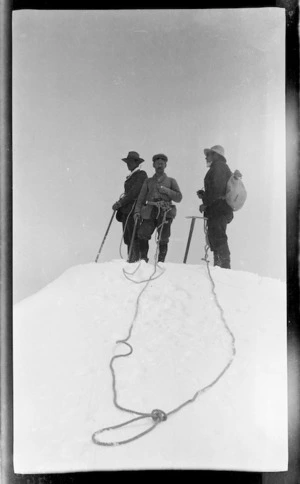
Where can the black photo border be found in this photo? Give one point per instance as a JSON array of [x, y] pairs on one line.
[[7, 475]]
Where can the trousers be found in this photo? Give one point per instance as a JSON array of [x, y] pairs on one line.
[[128, 227], [217, 222], [146, 230]]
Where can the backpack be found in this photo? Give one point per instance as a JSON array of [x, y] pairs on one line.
[[236, 193]]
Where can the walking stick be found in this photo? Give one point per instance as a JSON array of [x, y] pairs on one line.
[[132, 238], [190, 236], [104, 238]]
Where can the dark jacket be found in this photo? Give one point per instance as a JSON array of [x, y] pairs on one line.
[[215, 183], [132, 188]]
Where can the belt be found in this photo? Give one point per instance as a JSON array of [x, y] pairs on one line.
[[163, 204]]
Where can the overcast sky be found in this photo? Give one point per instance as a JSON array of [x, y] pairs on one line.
[[89, 86]]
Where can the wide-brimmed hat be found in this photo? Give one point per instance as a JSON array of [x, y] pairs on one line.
[[216, 149], [133, 155], [161, 156]]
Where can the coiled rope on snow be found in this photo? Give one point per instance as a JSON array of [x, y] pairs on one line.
[[157, 415]]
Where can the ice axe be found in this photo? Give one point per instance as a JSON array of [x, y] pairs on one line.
[[190, 236], [104, 238]]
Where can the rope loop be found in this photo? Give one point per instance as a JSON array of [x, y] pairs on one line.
[[158, 415]]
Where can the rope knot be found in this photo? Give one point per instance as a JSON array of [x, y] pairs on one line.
[[158, 415]]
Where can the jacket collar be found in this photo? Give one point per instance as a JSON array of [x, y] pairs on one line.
[[133, 171], [220, 161], [161, 177]]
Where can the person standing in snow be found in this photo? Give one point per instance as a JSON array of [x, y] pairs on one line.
[[155, 209], [214, 206], [125, 205]]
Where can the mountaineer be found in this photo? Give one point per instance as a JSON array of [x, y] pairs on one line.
[[154, 208], [125, 205], [214, 206]]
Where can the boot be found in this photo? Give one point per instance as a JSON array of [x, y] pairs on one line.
[[163, 249], [225, 264], [144, 247], [135, 252], [224, 256], [217, 261]]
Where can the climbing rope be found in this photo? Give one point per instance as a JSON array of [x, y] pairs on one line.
[[158, 416], [213, 286], [158, 233]]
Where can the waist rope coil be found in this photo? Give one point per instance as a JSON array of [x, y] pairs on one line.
[[162, 205], [158, 416], [157, 240]]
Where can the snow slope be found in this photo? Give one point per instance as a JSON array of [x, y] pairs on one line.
[[65, 336]]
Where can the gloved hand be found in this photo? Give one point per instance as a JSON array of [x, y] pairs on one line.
[[200, 193], [116, 206], [237, 174], [163, 189], [202, 208], [136, 217]]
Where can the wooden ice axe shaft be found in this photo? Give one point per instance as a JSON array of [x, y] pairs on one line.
[[193, 220]]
